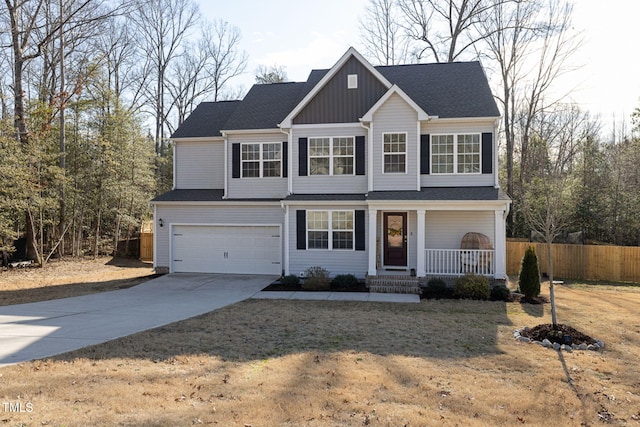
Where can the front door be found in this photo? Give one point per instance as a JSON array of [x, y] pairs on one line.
[[395, 239]]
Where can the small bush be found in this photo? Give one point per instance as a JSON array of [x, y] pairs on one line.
[[529, 278], [291, 280], [316, 279], [344, 281], [500, 293], [472, 287], [436, 288]]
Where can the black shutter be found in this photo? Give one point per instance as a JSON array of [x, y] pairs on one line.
[[359, 231], [302, 156], [301, 229], [285, 159], [235, 160], [360, 158], [424, 154], [487, 152]]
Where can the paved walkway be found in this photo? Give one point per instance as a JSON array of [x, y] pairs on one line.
[[44, 329]]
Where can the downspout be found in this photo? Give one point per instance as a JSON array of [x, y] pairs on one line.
[[496, 172], [289, 133], [285, 237], [369, 151], [226, 165], [175, 176]]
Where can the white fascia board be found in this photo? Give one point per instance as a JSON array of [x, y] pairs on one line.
[[422, 115], [326, 125], [199, 139], [287, 121], [324, 203], [489, 119], [249, 131], [217, 203], [441, 205]]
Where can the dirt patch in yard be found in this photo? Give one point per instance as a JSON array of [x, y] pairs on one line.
[[71, 277], [319, 363]]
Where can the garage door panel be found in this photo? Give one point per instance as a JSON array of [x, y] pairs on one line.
[[227, 249]]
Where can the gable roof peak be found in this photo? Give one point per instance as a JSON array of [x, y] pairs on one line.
[[350, 53]]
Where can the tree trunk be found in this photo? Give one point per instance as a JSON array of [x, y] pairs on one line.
[[552, 294]]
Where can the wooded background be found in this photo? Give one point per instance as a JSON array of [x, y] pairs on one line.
[[90, 91]]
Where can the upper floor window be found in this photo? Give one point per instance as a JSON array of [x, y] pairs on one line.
[[330, 229], [395, 152], [455, 153], [260, 160], [331, 156]]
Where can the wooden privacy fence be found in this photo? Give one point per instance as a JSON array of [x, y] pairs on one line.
[[146, 246], [587, 262]]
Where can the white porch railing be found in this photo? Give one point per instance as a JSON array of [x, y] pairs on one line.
[[458, 262]]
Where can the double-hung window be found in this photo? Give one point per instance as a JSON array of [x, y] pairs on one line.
[[331, 156], [261, 160], [330, 230], [395, 152], [457, 153]]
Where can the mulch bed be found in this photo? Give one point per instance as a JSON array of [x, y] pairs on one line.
[[540, 332]]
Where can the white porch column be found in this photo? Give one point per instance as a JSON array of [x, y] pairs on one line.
[[373, 246], [420, 266], [500, 244]]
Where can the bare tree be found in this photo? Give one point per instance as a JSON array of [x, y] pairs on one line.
[[226, 58], [162, 26], [382, 33], [272, 74], [444, 29]]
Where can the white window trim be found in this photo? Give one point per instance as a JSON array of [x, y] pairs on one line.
[[455, 154], [331, 156], [406, 146], [330, 230], [260, 160]]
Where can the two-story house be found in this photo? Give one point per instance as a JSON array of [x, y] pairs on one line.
[[360, 169]]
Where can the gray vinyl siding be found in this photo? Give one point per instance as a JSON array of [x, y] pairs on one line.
[[335, 103], [335, 184], [264, 188], [199, 165], [210, 214], [395, 116], [458, 180], [445, 229], [335, 261]]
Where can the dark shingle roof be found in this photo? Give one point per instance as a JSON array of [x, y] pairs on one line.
[[446, 90], [206, 120], [326, 197], [188, 195], [442, 193]]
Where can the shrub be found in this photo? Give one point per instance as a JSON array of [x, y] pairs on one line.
[[291, 280], [316, 279], [529, 278], [436, 288], [344, 281], [500, 293], [472, 287]]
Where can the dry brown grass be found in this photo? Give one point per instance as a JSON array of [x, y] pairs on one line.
[[292, 363], [69, 278]]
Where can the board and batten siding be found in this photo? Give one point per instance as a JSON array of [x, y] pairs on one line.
[[458, 180], [445, 229], [209, 214], [199, 165], [264, 188], [395, 116], [339, 261], [323, 184]]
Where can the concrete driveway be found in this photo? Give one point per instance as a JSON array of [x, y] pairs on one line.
[[43, 329]]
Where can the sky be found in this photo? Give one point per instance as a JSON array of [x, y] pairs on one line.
[[301, 35]]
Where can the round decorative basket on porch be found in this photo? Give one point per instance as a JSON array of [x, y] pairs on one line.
[[477, 258]]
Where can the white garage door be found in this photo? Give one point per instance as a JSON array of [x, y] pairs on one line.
[[226, 249]]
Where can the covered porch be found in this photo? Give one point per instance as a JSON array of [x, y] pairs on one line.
[[422, 238]]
